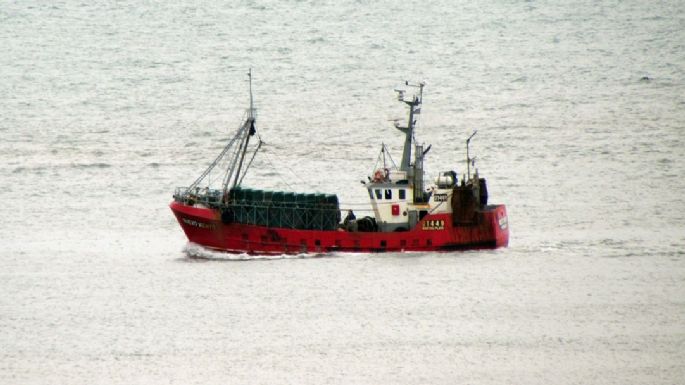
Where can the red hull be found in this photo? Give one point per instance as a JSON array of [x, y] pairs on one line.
[[433, 233]]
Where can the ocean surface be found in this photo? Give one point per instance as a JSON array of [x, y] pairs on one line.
[[106, 107]]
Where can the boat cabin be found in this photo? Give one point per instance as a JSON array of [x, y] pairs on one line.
[[392, 199]]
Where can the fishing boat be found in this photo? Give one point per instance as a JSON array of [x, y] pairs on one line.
[[407, 214]]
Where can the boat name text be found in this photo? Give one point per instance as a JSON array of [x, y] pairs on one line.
[[202, 225]]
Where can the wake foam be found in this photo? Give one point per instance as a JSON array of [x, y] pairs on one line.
[[195, 251]]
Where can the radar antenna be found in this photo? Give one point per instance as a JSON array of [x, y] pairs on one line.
[[414, 109]]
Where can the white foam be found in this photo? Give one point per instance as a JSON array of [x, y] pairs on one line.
[[193, 250]]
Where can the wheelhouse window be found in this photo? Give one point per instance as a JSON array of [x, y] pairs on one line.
[[403, 194], [378, 193], [388, 194], [370, 195]]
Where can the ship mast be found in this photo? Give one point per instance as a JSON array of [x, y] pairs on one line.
[[414, 109], [250, 121], [251, 112], [468, 157]]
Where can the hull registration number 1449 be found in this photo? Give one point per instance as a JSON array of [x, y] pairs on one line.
[[438, 224]]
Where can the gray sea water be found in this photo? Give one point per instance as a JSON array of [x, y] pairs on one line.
[[106, 107]]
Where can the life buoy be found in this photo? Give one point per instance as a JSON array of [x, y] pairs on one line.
[[378, 175]]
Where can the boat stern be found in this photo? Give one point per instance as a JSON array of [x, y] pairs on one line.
[[501, 226]]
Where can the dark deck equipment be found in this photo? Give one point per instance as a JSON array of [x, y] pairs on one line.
[[284, 210]]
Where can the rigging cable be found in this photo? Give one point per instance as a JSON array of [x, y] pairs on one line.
[[291, 172], [254, 154], [214, 163], [268, 159]]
